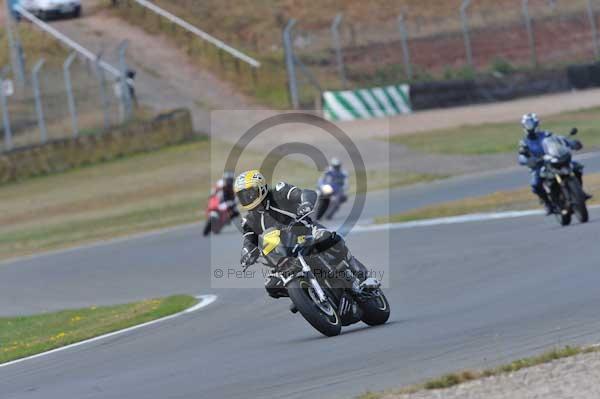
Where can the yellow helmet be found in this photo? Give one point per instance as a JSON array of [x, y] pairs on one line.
[[251, 189]]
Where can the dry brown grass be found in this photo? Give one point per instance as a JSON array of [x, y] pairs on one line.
[[257, 23], [134, 194]]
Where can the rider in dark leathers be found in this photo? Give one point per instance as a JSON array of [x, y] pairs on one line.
[[531, 154], [278, 207]]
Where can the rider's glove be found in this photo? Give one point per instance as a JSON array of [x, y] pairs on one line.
[[533, 162], [577, 145], [524, 151], [304, 209], [223, 206], [249, 256]]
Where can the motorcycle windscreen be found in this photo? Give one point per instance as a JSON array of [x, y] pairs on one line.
[[556, 147]]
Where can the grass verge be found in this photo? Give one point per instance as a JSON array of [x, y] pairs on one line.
[[29, 335], [36, 44], [453, 379], [497, 138], [130, 195], [514, 200]]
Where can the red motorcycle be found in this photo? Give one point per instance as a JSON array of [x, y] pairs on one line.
[[217, 215]]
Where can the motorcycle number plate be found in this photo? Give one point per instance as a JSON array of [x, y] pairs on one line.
[[270, 241]]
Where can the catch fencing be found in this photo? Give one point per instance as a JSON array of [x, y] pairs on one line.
[[476, 37], [75, 94], [58, 101]]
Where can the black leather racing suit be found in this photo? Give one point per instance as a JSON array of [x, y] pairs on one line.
[[279, 209]]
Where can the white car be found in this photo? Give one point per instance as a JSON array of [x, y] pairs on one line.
[[45, 9]]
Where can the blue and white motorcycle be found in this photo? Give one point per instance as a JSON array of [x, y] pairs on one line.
[[330, 197]]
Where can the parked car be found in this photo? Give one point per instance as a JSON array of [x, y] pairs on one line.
[[46, 9]]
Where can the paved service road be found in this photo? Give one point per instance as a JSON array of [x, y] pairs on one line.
[[466, 295]]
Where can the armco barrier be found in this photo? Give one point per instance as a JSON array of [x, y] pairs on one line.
[[452, 93], [60, 155], [394, 100]]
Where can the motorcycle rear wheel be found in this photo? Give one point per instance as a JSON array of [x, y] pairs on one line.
[[376, 311], [579, 206], [323, 317]]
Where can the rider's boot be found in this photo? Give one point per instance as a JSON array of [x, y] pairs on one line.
[[337, 249], [275, 288], [545, 200], [366, 283], [548, 208]]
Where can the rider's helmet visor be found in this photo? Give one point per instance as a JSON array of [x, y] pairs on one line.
[[530, 123], [248, 196]]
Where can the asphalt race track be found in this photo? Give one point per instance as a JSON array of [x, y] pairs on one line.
[[465, 295]]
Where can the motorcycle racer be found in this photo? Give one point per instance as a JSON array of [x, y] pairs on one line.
[[278, 207], [336, 177], [531, 154], [223, 190]]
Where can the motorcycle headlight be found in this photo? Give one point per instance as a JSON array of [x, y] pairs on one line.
[[326, 189]]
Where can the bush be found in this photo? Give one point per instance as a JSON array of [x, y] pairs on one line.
[[502, 66]]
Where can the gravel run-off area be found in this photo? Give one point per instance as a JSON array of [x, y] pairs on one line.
[[576, 377]]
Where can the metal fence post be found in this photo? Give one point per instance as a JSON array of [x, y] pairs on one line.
[[465, 26], [16, 52], [5, 115], [405, 50], [70, 97], [290, 65], [125, 94], [592, 16], [103, 95], [335, 33], [35, 79], [530, 34]]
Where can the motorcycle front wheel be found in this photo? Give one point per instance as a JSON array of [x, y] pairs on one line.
[[322, 206], [207, 229], [561, 204], [322, 316], [215, 225], [564, 219]]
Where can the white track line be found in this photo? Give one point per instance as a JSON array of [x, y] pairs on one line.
[[474, 217], [205, 300]]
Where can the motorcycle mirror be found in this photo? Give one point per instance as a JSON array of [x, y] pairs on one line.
[[573, 131]]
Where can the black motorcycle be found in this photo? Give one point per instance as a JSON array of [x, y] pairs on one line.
[[327, 296], [561, 183]]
